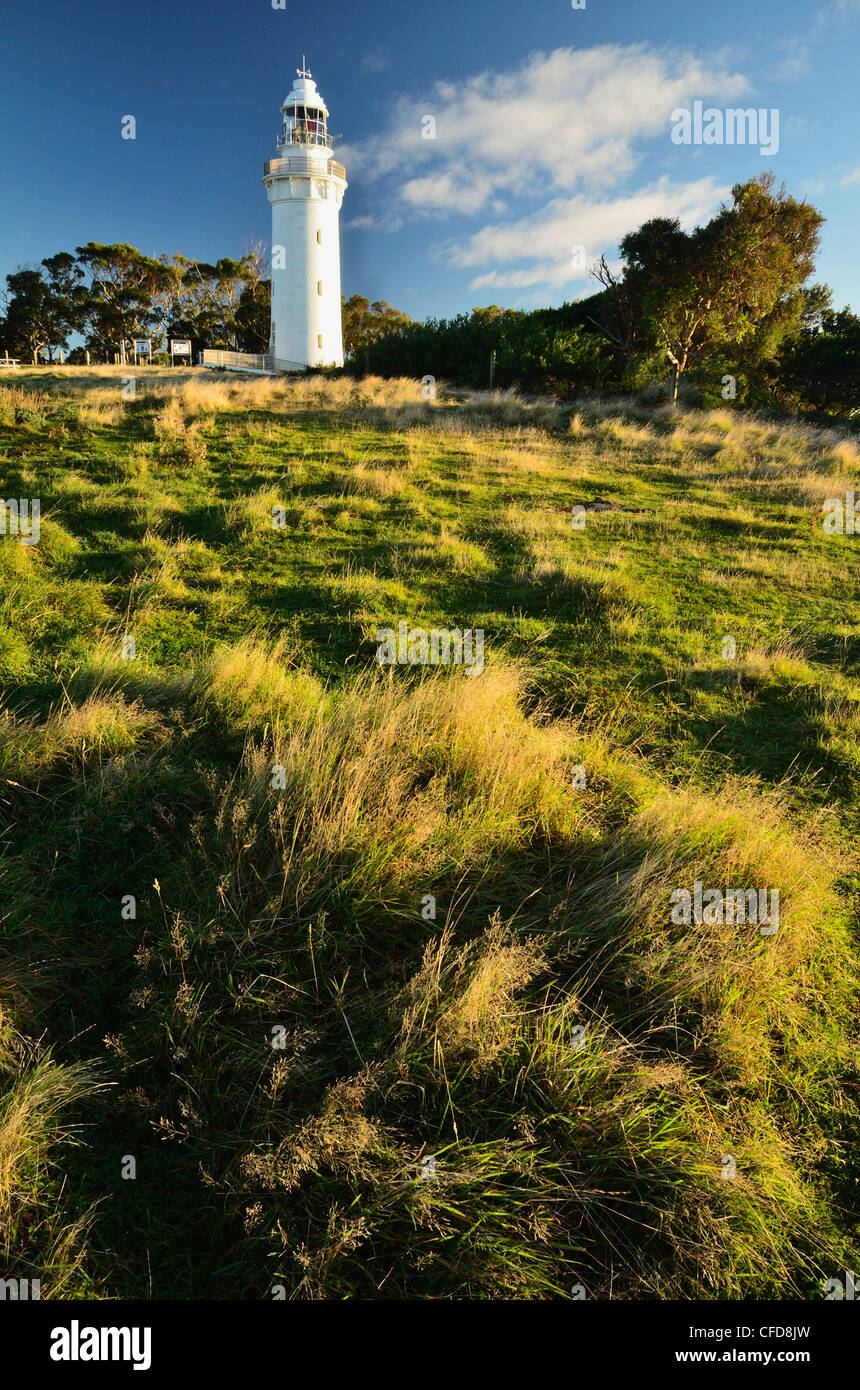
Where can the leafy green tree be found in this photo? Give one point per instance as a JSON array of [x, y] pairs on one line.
[[693, 295], [817, 302], [820, 368], [253, 316], [64, 278], [129, 295], [43, 307], [225, 304], [546, 350], [29, 325], [364, 323]]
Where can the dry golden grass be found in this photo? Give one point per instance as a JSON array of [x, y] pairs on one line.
[[100, 727], [447, 552], [372, 482], [472, 991], [256, 683], [749, 990], [761, 661], [332, 759], [32, 1123]]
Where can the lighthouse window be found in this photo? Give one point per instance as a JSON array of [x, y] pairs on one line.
[[319, 237], [319, 340], [319, 286], [306, 123]]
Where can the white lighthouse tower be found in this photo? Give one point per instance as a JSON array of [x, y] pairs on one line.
[[305, 187]]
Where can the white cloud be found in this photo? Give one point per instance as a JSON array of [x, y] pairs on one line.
[[537, 249], [795, 61], [376, 62], [445, 192], [563, 120], [839, 12], [377, 224], [551, 145], [851, 178]]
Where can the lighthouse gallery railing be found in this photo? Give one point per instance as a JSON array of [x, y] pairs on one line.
[[298, 164]]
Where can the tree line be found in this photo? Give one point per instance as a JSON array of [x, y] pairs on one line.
[[111, 295], [725, 311]]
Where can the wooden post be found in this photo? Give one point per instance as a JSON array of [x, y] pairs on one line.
[[88, 356], [492, 366]]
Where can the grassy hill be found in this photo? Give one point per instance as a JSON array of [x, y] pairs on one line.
[[276, 1029]]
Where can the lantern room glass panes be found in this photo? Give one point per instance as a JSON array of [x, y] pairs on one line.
[[305, 125]]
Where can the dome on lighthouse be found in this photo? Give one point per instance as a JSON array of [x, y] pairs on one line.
[[304, 94]]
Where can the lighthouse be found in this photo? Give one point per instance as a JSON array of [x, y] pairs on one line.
[[305, 186]]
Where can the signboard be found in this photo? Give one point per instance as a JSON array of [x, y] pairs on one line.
[[143, 347], [180, 347]]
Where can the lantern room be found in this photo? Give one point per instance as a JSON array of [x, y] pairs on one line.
[[305, 115]]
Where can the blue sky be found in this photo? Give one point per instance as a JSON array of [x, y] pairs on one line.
[[552, 130]]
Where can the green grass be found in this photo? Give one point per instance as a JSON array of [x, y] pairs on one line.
[[578, 1065]]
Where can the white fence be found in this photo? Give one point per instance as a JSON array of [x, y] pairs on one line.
[[261, 362]]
